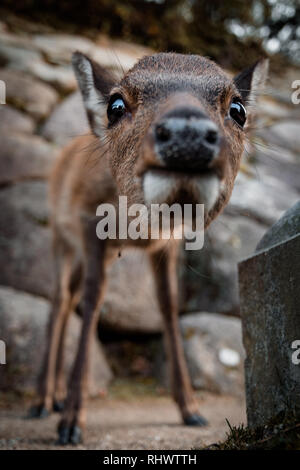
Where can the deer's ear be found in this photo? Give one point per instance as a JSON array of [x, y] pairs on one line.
[[95, 84], [252, 80]]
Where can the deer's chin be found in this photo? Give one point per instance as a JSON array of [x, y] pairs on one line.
[[162, 186]]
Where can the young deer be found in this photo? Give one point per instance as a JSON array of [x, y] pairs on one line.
[[171, 130]]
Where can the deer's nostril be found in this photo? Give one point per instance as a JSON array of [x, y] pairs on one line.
[[211, 136], [163, 134], [186, 144]]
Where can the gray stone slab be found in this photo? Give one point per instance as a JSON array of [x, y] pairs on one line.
[[287, 226], [270, 310]]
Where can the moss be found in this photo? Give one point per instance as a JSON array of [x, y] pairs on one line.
[[132, 389], [13, 399], [281, 433]]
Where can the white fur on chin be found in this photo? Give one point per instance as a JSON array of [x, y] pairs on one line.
[[159, 187]]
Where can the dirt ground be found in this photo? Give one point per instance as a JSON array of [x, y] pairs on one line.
[[146, 423]]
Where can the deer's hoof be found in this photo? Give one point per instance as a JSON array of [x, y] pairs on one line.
[[75, 436], [58, 406], [63, 436], [195, 420], [69, 435], [38, 412]]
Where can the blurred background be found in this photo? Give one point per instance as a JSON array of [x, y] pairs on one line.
[[43, 111], [220, 30]]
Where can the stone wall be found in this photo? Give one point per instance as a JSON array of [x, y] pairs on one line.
[[44, 111]]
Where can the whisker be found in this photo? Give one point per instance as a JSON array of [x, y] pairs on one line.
[[112, 50]]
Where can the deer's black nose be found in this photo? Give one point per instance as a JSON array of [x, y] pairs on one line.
[[187, 140]]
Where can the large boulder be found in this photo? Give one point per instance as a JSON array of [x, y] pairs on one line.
[[214, 352], [280, 165], [17, 55], [28, 94], [58, 49], [130, 304], [262, 197], [24, 156], [209, 276], [12, 120], [26, 52], [68, 120], [285, 134], [61, 77], [25, 242], [23, 54], [23, 322], [271, 110]]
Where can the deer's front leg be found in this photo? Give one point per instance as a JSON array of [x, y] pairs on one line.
[[74, 414], [164, 264]]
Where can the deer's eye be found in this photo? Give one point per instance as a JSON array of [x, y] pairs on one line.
[[238, 112], [116, 108]]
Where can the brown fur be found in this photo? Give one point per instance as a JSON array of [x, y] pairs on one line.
[[91, 171]]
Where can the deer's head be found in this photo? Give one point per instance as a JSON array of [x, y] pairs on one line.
[[174, 125]]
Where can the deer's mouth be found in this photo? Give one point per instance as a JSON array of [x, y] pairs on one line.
[[161, 185], [164, 170]]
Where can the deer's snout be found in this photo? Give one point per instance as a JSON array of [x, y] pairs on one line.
[[186, 139]]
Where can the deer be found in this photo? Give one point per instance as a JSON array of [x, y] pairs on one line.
[[171, 130]]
